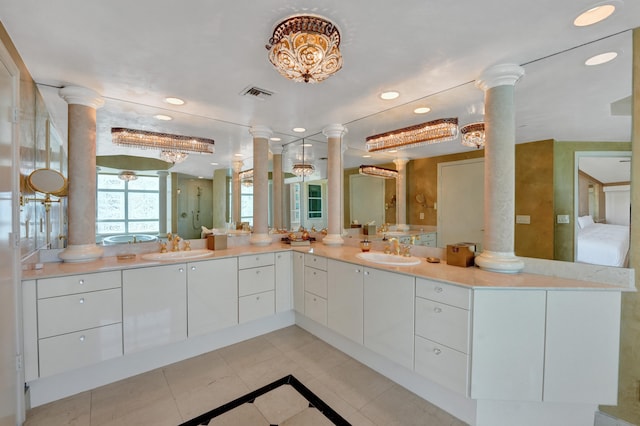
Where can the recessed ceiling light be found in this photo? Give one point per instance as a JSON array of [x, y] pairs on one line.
[[214, 164], [299, 129], [389, 95], [421, 110], [174, 101], [366, 156], [600, 59], [306, 144], [163, 117], [275, 139], [393, 150], [200, 177], [594, 15], [238, 155]]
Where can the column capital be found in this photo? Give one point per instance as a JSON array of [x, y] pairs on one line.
[[334, 131], [276, 149], [500, 75], [76, 95], [260, 132], [400, 162], [162, 173], [237, 166]]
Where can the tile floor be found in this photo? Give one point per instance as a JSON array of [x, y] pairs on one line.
[[184, 390]]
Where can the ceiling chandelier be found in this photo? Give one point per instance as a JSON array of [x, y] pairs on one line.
[[173, 148], [472, 135], [305, 48], [378, 172], [127, 176], [246, 177], [442, 130], [302, 169]]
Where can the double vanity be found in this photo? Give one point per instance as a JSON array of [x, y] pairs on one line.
[[489, 348]]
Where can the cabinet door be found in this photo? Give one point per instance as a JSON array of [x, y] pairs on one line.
[[154, 306], [212, 295], [345, 302], [256, 306], [388, 315], [283, 281], [315, 308], [298, 282]]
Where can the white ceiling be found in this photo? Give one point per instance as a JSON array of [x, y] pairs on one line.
[[135, 53]]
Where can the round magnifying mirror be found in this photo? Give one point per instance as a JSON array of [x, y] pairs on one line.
[[48, 181]]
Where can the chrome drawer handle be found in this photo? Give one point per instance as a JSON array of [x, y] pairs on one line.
[[257, 297], [358, 271], [438, 289], [193, 268], [82, 338], [81, 282], [81, 300], [437, 310], [437, 351], [257, 272], [180, 269]]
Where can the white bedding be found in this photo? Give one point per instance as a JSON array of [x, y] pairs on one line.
[[602, 244]]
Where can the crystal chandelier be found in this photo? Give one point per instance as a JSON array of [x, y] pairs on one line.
[[127, 176], [305, 48], [246, 177], [472, 135], [174, 148], [442, 130], [302, 169], [378, 172]]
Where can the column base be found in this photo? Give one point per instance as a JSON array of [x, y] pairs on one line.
[[260, 239], [332, 240], [503, 262], [81, 253]]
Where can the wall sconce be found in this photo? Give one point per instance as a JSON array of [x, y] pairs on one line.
[[391, 204], [422, 201]]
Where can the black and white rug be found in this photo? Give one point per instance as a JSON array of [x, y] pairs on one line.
[[313, 400]]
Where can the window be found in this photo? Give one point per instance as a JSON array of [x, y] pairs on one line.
[[127, 207], [246, 204], [315, 201]]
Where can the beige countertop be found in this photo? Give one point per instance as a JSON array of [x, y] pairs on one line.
[[472, 277]]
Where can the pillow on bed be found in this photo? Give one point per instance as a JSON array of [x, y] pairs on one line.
[[584, 221]]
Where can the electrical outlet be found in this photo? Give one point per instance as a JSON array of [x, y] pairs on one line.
[[421, 215], [563, 218]]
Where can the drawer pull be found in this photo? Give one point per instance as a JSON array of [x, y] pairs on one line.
[[366, 272], [257, 297], [314, 299], [82, 338], [81, 282], [193, 268], [358, 271], [258, 271], [437, 310], [257, 257], [438, 289], [81, 300], [180, 269], [314, 272], [437, 351]]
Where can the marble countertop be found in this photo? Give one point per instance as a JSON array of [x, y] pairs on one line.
[[471, 277]]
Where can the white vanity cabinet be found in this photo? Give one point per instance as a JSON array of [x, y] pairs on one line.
[[345, 299], [256, 286], [79, 321], [442, 341], [212, 295], [284, 294], [298, 281], [315, 288], [154, 303], [389, 315]]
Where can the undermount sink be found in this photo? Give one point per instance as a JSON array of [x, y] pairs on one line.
[[178, 255], [388, 259]]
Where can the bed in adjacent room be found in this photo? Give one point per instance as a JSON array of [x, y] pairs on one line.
[[602, 244]]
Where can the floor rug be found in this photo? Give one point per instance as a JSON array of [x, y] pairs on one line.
[[314, 401]]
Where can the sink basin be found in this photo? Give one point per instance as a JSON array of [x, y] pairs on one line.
[[178, 255], [388, 259]]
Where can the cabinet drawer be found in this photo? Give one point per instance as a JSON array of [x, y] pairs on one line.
[[315, 308], [61, 286], [66, 314], [428, 239], [315, 261], [446, 293], [315, 281], [443, 365], [75, 350], [443, 323], [256, 306], [256, 280], [255, 260]]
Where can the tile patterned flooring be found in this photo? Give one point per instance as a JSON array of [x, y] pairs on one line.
[[181, 391]]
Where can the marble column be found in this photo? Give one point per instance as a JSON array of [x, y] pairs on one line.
[[498, 83], [334, 133], [162, 202], [401, 194], [219, 199], [235, 192], [81, 210], [278, 186], [260, 235]]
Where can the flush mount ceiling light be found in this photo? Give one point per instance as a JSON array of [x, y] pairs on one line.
[[305, 48], [600, 59], [174, 148], [436, 131], [387, 96], [472, 135], [127, 176], [378, 172], [174, 101], [163, 117], [421, 110], [594, 15]]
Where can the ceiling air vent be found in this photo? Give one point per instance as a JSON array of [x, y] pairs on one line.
[[256, 92]]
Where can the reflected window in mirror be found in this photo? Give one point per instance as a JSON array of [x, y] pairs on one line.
[[246, 204], [127, 207], [315, 201]]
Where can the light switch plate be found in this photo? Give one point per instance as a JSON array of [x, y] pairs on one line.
[[563, 218], [523, 219], [421, 215]]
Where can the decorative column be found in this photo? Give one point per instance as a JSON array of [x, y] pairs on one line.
[[83, 104], [401, 194], [162, 202], [278, 185], [261, 135], [334, 133], [235, 192], [499, 169]]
